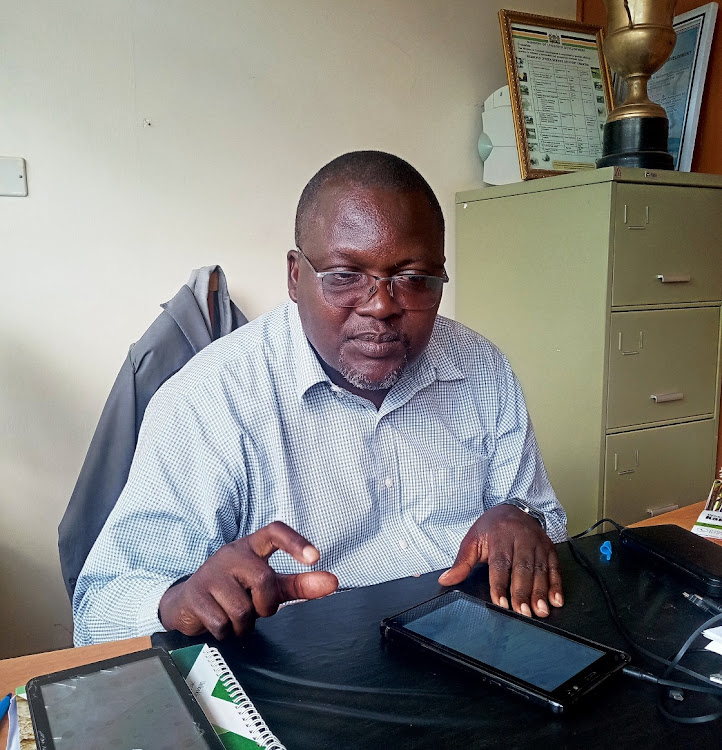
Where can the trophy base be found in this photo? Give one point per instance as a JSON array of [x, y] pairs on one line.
[[636, 142]]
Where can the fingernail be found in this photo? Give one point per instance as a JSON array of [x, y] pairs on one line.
[[503, 602], [445, 574], [525, 609], [310, 554], [558, 599], [541, 605]]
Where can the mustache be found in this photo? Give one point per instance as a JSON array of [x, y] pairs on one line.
[[380, 336]]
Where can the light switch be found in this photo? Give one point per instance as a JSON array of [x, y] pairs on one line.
[[13, 180]]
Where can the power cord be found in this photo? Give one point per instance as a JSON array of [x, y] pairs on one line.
[[619, 527], [666, 685], [639, 674]]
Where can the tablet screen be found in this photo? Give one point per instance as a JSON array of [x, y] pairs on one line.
[[516, 647], [124, 707]]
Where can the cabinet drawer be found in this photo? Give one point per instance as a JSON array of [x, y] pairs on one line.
[[657, 467], [662, 365], [667, 231]]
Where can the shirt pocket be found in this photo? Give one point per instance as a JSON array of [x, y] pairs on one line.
[[446, 496]]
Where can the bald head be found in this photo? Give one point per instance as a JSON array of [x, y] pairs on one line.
[[368, 169]]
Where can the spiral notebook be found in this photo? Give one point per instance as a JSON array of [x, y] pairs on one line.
[[223, 700]]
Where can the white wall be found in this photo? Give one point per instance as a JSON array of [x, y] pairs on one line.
[[163, 136]]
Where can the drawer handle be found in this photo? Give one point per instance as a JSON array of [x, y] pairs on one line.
[[652, 512], [660, 398], [674, 278]]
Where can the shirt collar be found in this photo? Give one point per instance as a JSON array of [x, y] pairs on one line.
[[437, 360], [435, 363], [307, 367]]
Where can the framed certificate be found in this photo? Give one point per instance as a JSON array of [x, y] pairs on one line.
[[560, 92], [679, 83]]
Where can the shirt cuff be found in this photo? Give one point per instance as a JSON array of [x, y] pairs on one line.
[[146, 617]]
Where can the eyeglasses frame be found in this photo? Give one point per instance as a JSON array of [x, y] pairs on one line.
[[320, 275]]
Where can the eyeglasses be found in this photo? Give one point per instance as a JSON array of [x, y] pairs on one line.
[[352, 288]]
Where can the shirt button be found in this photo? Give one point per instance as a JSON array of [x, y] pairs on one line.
[[389, 482], [403, 544]]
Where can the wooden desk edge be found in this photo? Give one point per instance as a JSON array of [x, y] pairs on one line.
[[684, 517], [17, 671]]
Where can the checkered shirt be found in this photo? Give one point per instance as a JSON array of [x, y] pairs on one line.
[[252, 430]]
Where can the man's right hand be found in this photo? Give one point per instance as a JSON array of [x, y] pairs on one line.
[[236, 585]]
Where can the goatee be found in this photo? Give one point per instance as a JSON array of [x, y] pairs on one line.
[[359, 380]]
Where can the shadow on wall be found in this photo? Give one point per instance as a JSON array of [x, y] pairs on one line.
[[46, 429]]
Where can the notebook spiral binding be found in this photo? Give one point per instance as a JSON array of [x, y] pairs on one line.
[[263, 735]]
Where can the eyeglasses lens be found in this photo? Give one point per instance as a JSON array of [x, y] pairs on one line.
[[354, 289]]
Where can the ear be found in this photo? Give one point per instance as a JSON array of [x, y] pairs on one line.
[[292, 274]]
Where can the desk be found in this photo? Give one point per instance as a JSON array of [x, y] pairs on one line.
[[684, 517], [286, 695]]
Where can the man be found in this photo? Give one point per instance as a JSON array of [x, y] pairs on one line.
[[351, 431]]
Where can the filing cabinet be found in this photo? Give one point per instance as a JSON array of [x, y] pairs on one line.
[[604, 289]]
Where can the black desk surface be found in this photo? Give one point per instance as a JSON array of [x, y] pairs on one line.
[[322, 677]]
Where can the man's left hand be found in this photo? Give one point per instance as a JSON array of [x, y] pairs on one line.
[[522, 561]]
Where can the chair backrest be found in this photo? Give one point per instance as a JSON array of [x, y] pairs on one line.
[[176, 335]]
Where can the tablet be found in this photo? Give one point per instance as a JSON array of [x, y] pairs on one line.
[[133, 701], [697, 559], [525, 656]]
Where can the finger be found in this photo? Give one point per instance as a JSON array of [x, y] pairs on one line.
[[500, 574], [210, 614], [265, 590], [257, 580], [311, 585], [179, 610], [540, 586], [238, 610], [547, 582], [471, 551], [278, 535], [522, 580], [556, 594]]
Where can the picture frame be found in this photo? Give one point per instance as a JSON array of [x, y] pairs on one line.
[[560, 92], [679, 84]]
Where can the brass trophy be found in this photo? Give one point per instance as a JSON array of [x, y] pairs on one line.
[[639, 39]]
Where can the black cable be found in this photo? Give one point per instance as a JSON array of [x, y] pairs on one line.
[[584, 563], [674, 664], [640, 674], [671, 666], [682, 651], [594, 526]]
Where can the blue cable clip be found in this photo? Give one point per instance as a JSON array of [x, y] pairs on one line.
[[606, 550]]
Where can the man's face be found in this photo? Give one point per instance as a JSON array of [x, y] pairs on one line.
[[380, 232]]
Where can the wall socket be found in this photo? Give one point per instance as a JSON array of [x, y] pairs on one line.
[[13, 179]]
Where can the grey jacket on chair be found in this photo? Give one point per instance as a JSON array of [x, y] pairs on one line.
[[183, 328]]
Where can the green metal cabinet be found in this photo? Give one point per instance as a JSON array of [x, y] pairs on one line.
[[604, 290], [636, 474], [662, 366]]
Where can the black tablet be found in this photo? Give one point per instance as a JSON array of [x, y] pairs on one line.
[[525, 656], [697, 559], [133, 701]]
